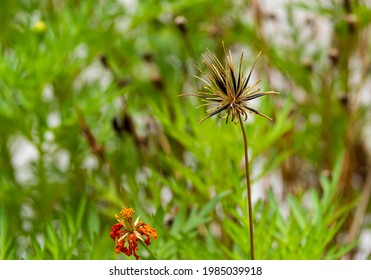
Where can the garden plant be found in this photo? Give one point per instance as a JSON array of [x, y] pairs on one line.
[[114, 142]]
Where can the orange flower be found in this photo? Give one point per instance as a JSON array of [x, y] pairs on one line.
[[128, 230]]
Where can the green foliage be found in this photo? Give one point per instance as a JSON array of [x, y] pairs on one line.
[[91, 121]]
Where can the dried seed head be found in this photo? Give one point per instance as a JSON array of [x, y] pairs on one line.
[[333, 55], [227, 89], [181, 23]]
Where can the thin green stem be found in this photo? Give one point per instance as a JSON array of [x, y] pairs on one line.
[[248, 187], [146, 247]]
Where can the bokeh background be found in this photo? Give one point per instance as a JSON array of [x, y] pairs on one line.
[[91, 121]]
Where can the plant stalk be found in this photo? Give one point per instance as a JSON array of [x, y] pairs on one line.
[[248, 187], [146, 247]]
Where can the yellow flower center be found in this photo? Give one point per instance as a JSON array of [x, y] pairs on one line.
[[127, 215]]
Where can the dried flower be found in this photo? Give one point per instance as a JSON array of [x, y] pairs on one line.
[[230, 91], [131, 232], [227, 89]]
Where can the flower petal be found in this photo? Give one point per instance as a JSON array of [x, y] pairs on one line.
[[115, 231]]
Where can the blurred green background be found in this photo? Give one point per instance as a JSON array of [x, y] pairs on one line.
[[91, 121]]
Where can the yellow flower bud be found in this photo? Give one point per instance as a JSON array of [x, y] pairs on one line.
[[39, 27]]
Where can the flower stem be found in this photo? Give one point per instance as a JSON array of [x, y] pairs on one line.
[[248, 187], [146, 247]]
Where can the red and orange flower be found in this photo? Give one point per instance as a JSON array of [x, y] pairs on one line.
[[126, 230]]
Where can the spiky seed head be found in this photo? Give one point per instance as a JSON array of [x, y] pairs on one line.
[[228, 90]]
